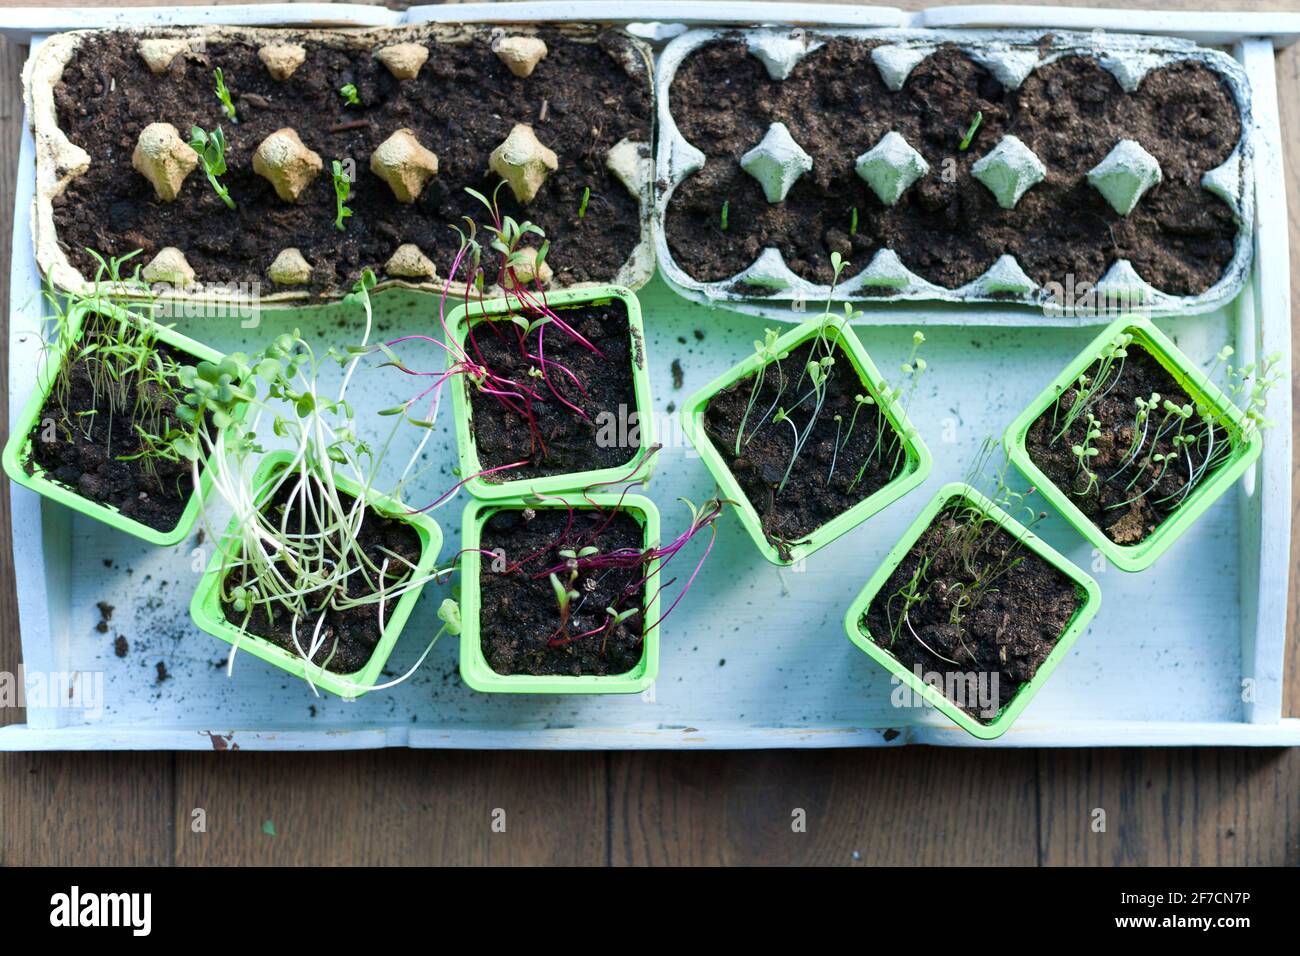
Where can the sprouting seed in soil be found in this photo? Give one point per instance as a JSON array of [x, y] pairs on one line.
[[211, 148], [971, 130], [1084, 452], [349, 93], [582, 207], [853, 221], [726, 208], [223, 94], [342, 190]]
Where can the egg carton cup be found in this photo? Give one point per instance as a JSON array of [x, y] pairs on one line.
[[1010, 55], [59, 161]]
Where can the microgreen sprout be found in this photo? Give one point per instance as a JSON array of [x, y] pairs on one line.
[[1084, 452], [767, 353], [223, 94], [963, 540], [342, 190], [211, 148], [349, 93], [582, 207], [1169, 447], [527, 325], [588, 563], [297, 551], [853, 221], [971, 130], [130, 376], [726, 210]]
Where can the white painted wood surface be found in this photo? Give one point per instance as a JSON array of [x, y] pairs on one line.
[[754, 657]]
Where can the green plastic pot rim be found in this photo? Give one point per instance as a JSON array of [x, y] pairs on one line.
[[1086, 587], [641, 462], [474, 668], [918, 458], [1136, 557], [205, 606], [17, 449]]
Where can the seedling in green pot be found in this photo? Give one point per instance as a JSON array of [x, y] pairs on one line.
[[109, 403], [317, 571], [971, 611], [807, 436], [1133, 441]]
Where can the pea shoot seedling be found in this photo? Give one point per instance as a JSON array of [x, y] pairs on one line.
[[223, 94], [342, 189], [211, 148]]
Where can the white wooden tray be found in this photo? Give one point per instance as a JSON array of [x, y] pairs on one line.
[[1191, 652]]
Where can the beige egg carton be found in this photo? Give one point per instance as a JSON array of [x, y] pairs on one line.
[[59, 161], [1010, 55]]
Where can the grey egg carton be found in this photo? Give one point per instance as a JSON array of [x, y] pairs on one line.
[[1010, 55], [59, 160]]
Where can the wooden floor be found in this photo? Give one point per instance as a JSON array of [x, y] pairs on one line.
[[897, 807]]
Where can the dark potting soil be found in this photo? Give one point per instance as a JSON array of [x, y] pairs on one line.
[[1008, 631], [352, 634], [1104, 503], [519, 621], [948, 228], [85, 448], [813, 495], [462, 105], [564, 441]]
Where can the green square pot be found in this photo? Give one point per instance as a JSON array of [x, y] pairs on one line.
[[915, 469], [474, 668], [1088, 591], [1137, 557], [18, 448], [205, 607], [479, 487]]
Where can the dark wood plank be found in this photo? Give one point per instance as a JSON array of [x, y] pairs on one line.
[[919, 806], [11, 124], [392, 808], [101, 809], [1171, 807], [1288, 82]]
